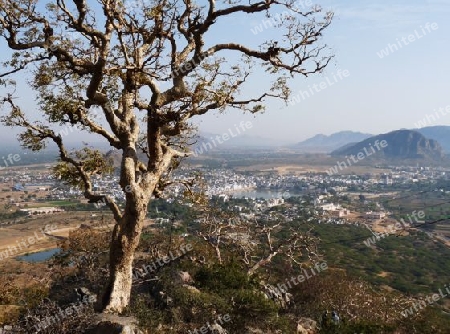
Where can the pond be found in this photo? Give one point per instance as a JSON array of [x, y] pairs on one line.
[[39, 256]]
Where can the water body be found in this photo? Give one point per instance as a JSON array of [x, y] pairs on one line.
[[264, 193], [39, 256]]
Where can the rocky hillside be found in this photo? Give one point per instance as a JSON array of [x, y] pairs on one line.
[[400, 144], [439, 133]]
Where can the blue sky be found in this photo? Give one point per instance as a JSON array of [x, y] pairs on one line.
[[378, 95]]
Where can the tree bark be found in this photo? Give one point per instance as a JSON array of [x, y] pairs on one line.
[[125, 239]]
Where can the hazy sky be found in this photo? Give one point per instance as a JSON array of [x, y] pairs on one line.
[[378, 94]]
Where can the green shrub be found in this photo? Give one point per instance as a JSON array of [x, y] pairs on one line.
[[218, 278]]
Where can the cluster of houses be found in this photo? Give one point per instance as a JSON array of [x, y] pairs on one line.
[[41, 210]]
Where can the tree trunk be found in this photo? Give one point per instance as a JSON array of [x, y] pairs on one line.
[[125, 239]]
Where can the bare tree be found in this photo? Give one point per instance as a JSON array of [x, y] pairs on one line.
[[136, 77], [255, 241]]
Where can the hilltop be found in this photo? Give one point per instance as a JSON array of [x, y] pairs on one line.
[[400, 144]]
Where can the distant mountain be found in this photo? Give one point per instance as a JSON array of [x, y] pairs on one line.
[[232, 139], [400, 144], [325, 144], [439, 133]]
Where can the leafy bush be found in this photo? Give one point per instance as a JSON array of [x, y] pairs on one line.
[[218, 278]]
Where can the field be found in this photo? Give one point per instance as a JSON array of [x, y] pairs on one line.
[[284, 162], [11, 235]]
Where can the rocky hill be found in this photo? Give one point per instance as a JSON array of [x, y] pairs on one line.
[[439, 133], [400, 144]]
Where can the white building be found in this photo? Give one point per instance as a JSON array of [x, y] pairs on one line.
[[374, 215], [41, 211]]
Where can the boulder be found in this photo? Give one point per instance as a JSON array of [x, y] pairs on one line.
[[283, 298], [307, 326], [113, 324], [217, 329], [83, 294], [182, 277], [7, 329]]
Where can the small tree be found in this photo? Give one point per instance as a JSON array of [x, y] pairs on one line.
[[136, 77]]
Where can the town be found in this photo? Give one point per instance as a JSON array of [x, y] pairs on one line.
[[338, 199]]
